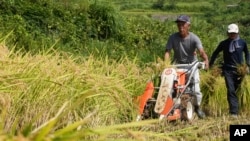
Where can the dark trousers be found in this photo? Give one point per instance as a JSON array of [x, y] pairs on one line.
[[233, 81]]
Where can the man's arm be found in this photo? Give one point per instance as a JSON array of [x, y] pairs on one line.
[[247, 57], [215, 54], [167, 55], [203, 55], [167, 58]]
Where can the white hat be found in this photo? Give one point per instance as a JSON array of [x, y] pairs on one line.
[[232, 28]]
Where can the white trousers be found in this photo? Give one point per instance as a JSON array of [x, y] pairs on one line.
[[197, 89]]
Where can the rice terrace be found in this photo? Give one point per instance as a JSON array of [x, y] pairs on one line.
[[72, 70]]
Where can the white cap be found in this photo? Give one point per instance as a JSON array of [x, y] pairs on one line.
[[233, 28]]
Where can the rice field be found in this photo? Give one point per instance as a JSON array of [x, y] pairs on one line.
[[55, 96]]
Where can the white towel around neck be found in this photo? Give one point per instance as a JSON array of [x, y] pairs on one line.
[[234, 44]]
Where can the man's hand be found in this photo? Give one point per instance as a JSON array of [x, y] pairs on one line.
[[206, 65], [204, 57]]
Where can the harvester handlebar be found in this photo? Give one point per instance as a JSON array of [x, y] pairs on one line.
[[199, 65]]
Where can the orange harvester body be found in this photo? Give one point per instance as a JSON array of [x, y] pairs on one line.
[[148, 93], [169, 103], [174, 97]]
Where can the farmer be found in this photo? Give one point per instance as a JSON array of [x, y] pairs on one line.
[[185, 44], [233, 48]]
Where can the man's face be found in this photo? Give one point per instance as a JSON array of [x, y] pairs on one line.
[[183, 28], [232, 35]]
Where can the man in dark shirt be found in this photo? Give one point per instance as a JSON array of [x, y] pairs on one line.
[[233, 48]]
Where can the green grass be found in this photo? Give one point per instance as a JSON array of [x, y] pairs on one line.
[[195, 3]]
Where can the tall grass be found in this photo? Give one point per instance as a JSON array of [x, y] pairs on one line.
[[55, 96], [215, 94], [34, 88]]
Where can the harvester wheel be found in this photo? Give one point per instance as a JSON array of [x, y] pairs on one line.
[[187, 112], [148, 112]]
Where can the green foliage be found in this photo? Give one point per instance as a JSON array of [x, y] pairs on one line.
[[43, 22], [225, 13], [159, 4], [79, 26], [106, 22]]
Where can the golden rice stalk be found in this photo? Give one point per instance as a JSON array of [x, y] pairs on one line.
[[242, 69]]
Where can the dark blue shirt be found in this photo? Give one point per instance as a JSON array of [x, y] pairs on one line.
[[231, 59]]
